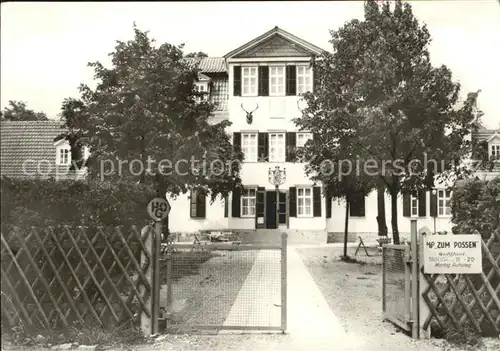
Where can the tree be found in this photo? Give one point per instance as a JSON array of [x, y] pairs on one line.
[[143, 112], [402, 111], [18, 111], [198, 54]]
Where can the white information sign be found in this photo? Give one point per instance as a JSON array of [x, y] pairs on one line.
[[452, 254], [158, 208]]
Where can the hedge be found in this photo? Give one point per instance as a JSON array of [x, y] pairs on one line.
[[42, 203]]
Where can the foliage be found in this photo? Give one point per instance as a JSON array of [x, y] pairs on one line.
[[144, 112], [380, 97], [198, 54], [18, 111], [475, 206], [41, 203]]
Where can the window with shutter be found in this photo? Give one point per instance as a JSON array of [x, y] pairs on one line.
[[276, 147], [304, 202], [263, 147], [303, 79], [249, 81], [357, 205], [248, 202], [291, 142], [444, 203], [317, 201], [197, 204]]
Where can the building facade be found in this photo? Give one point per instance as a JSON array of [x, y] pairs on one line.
[[257, 87]]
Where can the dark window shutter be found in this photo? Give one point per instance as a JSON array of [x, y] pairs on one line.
[[282, 208], [226, 206], [260, 206], [237, 142], [235, 205], [263, 147], [201, 206], [291, 80], [317, 201], [406, 205], [263, 81], [422, 202], [328, 206], [192, 204], [315, 81], [290, 146], [433, 209], [293, 202], [357, 205], [237, 80]]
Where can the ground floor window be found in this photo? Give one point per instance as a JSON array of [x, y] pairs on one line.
[[304, 202], [444, 203], [248, 199]]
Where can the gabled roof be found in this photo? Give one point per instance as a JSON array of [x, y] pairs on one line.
[[276, 31], [208, 64], [494, 135], [484, 134], [21, 141]]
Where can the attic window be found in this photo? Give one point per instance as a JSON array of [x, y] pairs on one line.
[[63, 156]]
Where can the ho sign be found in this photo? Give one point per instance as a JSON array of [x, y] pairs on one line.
[[158, 208]]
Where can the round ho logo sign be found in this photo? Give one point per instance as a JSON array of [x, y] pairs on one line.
[[158, 208]]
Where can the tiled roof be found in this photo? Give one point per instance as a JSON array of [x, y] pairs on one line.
[[219, 92], [208, 64], [483, 134], [30, 143]]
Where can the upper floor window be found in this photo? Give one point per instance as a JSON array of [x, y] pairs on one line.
[[302, 139], [249, 81], [413, 206], [303, 79], [63, 156], [444, 203], [495, 151], [277, 147], [201, 88], [277, 80], [249, 146]]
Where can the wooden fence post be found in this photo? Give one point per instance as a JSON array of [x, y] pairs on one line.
[[146, 322], [156, 276], [424, 311]]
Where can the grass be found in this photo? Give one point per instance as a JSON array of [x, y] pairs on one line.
[[205, 285]]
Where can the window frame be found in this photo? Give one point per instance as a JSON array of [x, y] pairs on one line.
[[256, 146], [196, 197], [307, 134], [245, 195], [494, 150], [248, 78], [283, 155], [414, 200], [304, 206], [277, 77], [307, 74], [443, 199], [60, 158]]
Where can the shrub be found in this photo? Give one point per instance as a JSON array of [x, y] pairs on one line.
[[42, 203]]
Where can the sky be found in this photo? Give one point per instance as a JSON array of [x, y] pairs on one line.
[[45, 46]]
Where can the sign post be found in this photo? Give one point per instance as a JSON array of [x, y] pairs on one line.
[[453, 254], [158, 209]]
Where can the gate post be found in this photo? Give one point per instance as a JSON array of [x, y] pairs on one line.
[[424, 311], [147, 322], [156, 276], [414, 279], [283, 280]]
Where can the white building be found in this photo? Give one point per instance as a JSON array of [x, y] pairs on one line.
[[257, 87]]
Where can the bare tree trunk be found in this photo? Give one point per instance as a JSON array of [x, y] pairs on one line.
[[382, 224], [346, 227], [394, 214]]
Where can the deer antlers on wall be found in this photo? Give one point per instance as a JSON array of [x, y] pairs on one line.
[[249, 114]]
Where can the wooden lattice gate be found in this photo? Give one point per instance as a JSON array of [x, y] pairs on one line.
[[465, 300], [449, 301], [55, 277]]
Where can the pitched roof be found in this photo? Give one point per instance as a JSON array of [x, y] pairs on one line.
[[208, 64], [484, 134], [28, 143], [276, 31]]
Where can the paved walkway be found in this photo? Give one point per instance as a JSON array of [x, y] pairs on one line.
[[311, 323]]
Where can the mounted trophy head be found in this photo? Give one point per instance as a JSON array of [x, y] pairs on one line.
[[249, 114]]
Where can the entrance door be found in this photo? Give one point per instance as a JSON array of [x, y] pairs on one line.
[[271, 209]]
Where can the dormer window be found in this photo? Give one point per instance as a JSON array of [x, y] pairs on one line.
[[201, 87], [63, 156]]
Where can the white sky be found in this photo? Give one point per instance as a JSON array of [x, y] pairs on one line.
[[45, 46]]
